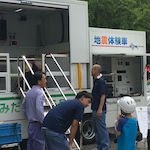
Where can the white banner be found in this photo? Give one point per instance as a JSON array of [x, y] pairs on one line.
[[112, 41], [142, 120]]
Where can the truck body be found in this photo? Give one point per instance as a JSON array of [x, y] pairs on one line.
[[61, 26]]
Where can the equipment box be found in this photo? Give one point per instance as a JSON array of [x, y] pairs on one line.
[[10, 133]]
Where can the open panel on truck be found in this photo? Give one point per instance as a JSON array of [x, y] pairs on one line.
[[123, 74], [32, 30]]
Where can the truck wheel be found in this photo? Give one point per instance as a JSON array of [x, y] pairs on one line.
[[87, 130]]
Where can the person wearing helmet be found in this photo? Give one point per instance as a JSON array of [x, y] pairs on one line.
[[126, 125]]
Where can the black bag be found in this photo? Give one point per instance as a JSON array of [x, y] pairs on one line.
[[139, 136]]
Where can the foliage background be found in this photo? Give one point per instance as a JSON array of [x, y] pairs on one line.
[[121, 14]]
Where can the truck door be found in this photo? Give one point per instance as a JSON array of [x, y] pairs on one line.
[[4, 72]]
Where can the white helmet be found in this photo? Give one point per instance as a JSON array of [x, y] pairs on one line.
[[127, 104]]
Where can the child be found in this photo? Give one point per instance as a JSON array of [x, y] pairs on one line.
[[126, 125]]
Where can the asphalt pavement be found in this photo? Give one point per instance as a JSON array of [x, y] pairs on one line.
[[142, 145]]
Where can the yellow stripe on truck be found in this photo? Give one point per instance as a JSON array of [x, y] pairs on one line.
[[79, 77]]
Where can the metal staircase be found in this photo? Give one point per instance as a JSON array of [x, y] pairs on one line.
[[45, 91]]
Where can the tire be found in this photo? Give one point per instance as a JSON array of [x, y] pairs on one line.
[[87, 130]]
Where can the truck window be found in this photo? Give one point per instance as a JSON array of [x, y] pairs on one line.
[[4, 72]]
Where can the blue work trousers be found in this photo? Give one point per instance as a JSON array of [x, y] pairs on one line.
[[55, 140], [35, 137], [102, 137]]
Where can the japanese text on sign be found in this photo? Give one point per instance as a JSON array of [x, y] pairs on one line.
[[12, 107], [110, 40]]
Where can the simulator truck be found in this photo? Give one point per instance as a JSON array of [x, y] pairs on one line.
[[39, 28]]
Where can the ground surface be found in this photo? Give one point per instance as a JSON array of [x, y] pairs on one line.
[[142, 145]]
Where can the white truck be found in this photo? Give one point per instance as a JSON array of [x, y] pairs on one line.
[[39, 27]]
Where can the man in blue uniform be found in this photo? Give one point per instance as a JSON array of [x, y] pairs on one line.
[[99, 108], [60, 118], [33, 108]]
